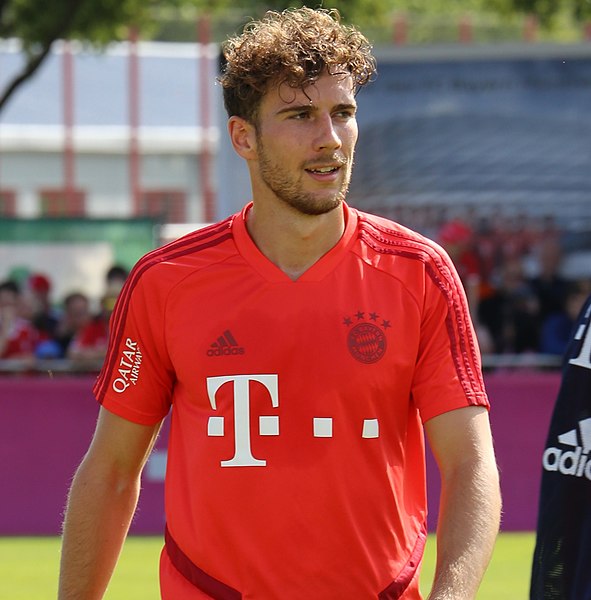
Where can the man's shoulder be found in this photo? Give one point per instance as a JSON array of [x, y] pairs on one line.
[[195, 250], [387, 236]]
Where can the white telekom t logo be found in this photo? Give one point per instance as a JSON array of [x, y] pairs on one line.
[[242, 450]]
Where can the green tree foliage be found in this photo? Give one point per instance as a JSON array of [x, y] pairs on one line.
[[39, 23], [546, 10]]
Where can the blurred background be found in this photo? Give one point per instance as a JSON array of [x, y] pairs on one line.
[[113, 141]]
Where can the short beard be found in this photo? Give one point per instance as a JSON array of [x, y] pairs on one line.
[[290, 191]]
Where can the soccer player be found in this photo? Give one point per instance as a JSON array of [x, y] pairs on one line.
[[562, 555], [303, 348]]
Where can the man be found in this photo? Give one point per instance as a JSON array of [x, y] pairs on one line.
[[560, 567], [301, 344], [75, 316], [18, 337]]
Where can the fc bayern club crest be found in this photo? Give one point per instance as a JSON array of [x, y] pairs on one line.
[[366, 339]]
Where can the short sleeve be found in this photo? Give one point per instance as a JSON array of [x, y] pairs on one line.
[[137, 377], [448, 373]]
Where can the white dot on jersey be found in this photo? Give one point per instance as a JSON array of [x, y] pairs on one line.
[[269, 425], [215, 426], [322, 427], [371, 428]]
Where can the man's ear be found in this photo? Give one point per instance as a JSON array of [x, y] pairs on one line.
[[243, 137]]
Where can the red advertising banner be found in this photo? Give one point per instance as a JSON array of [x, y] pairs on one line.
[[521, 407], [46, 425]]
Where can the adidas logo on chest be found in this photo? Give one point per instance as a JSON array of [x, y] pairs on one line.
[[575, 460], [225, 345]]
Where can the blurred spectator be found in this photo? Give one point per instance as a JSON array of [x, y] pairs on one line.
[[38, 300], [18, 337], [511, 313], [20, 275], [456, 237], [114, 280], [549, 285], [557, 327], [487, 246], [89, 344], [548, 229], [519, 237], [75, 316]]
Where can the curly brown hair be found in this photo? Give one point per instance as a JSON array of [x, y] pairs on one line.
[[294, 47]]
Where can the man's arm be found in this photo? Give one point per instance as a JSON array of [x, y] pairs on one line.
[[470, 503], [102, 500]]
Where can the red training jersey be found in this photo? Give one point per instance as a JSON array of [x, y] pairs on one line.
[[296, 461], [22, 340], [94, 334]]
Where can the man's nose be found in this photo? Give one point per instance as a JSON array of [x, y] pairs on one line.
[[327, 135]]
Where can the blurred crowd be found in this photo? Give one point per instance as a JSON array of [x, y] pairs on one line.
[[34, 326], [511, 268], [520, 299]]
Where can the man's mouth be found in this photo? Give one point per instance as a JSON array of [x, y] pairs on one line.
[[323, 170]]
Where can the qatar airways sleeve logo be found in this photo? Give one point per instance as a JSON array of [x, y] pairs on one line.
[[128, 370]]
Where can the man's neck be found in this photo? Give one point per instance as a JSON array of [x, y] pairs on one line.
[[294, 241]]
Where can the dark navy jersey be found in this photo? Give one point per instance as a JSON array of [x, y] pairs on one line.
[[562, 558]]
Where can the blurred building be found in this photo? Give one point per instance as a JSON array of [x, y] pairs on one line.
[[139, 132], [128, 132], [500, 126]]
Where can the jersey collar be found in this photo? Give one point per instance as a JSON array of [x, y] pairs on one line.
[[319, 270]]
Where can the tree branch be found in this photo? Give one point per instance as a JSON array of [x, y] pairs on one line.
[[61, 30], [28, 70], [3, 4]]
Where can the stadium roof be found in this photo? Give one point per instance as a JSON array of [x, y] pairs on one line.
[[477, 128]]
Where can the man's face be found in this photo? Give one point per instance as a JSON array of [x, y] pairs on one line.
[[305, 141], [78, 312]]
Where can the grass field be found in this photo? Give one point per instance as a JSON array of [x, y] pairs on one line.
[[29, 567]]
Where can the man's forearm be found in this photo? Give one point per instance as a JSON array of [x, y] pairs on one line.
[[100, 508], [468, 526]]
